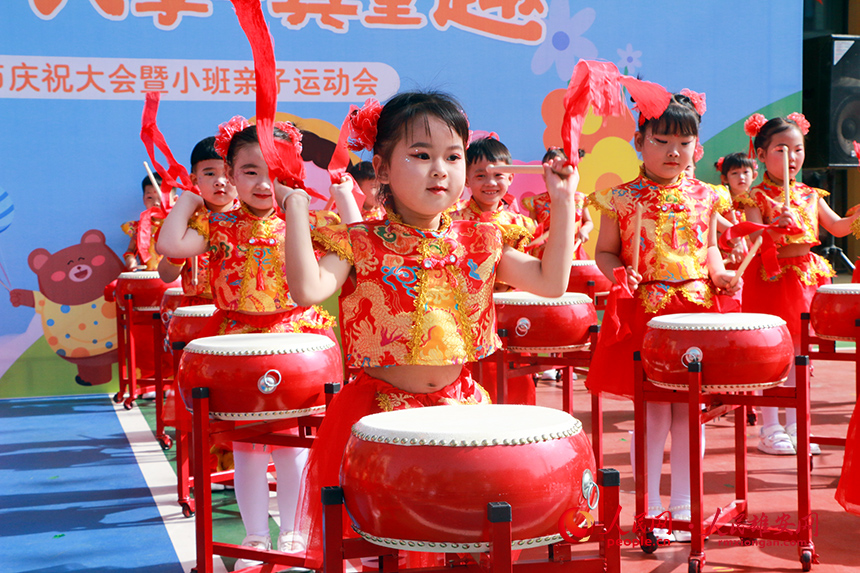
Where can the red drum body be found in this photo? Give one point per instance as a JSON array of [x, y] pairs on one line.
[[534, 323], [420, 479], [170, 301], [833, 311], [583, 271], [188, 322], [260, 376], [145, 288], [740, 352]]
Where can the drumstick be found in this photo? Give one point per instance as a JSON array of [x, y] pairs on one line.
[[576, 244], [534, 169], [194, 270], [787, 181], [746, 262], [637, 231]]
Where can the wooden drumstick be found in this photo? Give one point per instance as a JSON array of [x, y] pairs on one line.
[[746, 262], [534, 169], [194, 270], [576, 244], [152, 177], [786, 183], [637, 231]]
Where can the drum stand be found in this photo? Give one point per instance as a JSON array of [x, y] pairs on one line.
[[510, 363], [258, 433], [131, 323], [336, 549], [827, 351], [732, 520]]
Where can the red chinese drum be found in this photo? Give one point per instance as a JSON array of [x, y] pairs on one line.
[[420, 479], [260, 376], [583, 271], [170, 301], [188, 321], [145, 288], [535, 323], [833, 311], [739, 351]]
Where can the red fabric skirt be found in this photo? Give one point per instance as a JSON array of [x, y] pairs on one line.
[[848, 490], [365, 395], [786, 297], [611, 368]]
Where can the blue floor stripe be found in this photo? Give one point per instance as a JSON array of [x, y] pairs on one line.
[[72, 497]]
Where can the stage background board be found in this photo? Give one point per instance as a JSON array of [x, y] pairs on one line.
[[73, 77]]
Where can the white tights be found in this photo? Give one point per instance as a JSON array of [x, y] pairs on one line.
[[661, 418], [252, 484]]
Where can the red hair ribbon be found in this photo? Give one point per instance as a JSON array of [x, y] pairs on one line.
[[697, 99], [357, 132], [597, 84], [801, 121], [699, 153], [752, 126], [768, 247], [176, 175], [720, 164], [282, 157]]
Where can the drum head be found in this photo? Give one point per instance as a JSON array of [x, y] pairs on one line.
[[519, 298], [139, 275], [847, 288], [259, 344], [583, 263], [199, 311], [716, 321], [174, 291], [465, 426]]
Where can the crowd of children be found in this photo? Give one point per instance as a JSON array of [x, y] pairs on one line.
[[416, 276]]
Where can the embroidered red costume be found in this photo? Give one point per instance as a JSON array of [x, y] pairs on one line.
[[673, 248], [421, 297], [246, 263], [538, 207], [143, 247], [519, 229], [788, 291]]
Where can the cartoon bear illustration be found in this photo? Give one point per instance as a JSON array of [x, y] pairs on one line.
[[79, 324]]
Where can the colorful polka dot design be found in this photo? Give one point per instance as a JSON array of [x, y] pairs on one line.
[[80, 330]]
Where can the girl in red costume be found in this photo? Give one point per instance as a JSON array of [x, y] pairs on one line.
[[680, 269], [246, 262], [416, 302], [784, 284]]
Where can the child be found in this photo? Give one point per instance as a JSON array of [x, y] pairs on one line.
[[219, 196], [538, 207], [679, 270], [417, 287], [141, 254], [737, 172], [785, 286], [364, 175], [246, 263]]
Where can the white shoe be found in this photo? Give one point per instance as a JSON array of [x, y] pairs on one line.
[[662, 534], [791, 430], [551, 374], [291, 542], [255, 542], [682, 513], [775, 441]]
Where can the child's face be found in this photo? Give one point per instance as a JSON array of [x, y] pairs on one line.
[[487, 189], [665, 156], [151, 197], [690, 171], [790, 141], [739, 179], [426, 172], [250, 175], [211, 178], [370, 188]]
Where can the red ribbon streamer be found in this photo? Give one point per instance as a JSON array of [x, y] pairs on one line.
[[175, 175], [768, 246]]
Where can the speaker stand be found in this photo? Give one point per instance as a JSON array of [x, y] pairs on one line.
[[835, 255]]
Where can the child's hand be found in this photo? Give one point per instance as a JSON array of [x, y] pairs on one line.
[[738, 252], [193, 200], [561, 180], [582, 237], [282, 193], [633, 278], [723, 282], [343, 188], [786, 218]]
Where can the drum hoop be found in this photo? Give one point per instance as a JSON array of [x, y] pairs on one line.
[[203, 313], [139, 275], [776, 323], [174, 291], [565, 301], [444, 546], [147, 308], [310, 348], [559, 349], [575, 428], [831, 337], [583, 263], [720, 387], [269, 415]]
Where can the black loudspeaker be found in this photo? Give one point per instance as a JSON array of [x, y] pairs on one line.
[[831, 100]]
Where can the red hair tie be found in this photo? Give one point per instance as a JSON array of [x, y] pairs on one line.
[[800, 120], [720, 164], [699, 153], [226, 131], [752, 126], [697, 99], [362, 125]]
